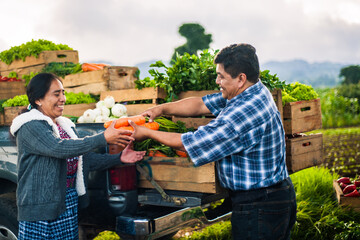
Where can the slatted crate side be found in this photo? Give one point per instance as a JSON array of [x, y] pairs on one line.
[[84, 78], [76, 110], [44, 57], [11, 112], [302, 116], [125, 95], [304, 152], [12, 89], [93, 88], [2, 119], [24, 71], [353, 202], [277, 96], [122, 77], [179, 174]]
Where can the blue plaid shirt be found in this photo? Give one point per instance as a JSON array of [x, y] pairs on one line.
[[246, 139]]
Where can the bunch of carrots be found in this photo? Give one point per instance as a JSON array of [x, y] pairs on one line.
[[87, 67], [123, 123]]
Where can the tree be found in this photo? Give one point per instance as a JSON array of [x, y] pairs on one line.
[[196, 39], [351, 74]]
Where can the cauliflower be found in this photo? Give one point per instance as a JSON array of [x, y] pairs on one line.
[[89, 116], [118, 110], [109, 101], [101, 119], [100, 104], [80, 119], [97, 112], [105, 111]]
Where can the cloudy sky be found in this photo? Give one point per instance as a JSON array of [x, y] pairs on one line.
[[128, 32]]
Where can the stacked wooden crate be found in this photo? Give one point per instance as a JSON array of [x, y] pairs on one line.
[[303, 151], [95, 82], [126, 95]]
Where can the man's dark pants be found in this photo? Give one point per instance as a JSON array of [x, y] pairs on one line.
[[266, 213]]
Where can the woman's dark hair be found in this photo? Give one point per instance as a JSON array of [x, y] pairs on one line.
[[39, 86], [239, 58]]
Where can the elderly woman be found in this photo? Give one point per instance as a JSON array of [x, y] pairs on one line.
[[51, 160]]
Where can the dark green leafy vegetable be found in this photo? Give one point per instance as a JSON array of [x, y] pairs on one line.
[[62, 69], [188, 73]]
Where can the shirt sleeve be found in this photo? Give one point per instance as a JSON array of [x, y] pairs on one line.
[[38, 138], [212, 142], [214, 102]]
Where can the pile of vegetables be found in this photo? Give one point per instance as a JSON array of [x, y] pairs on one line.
[[62, 69], [350, 188], [188, 73], [12, 77], [105, 110], [71, 98], [32, 48]]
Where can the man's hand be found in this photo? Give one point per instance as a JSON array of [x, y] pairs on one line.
[[152, 113], [140, 132]]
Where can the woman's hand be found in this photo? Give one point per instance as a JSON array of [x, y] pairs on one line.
[[128, 155], [117, 136]]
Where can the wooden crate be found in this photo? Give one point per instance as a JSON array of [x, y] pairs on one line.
[[304, 152], [44, 57], [302, 116], [12, 89], [180, 174], [10, 113], [24, 71], [2, 119], [277, 95], [75, 110], [125, 95], [196, 122], [95, 82], [353, 202]]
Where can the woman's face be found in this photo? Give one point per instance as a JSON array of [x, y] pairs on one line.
[[52, 105]]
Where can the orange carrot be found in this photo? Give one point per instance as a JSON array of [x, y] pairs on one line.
[[181, 153], [156, 153], [151, 125], [121, 122], [86, 67], [130, 128]]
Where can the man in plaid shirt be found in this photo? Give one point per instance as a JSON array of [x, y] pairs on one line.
[[246, 140]]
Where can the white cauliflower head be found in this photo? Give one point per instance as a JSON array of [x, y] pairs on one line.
[[118, 110], [89, 116], [100, 104], [109, 101]]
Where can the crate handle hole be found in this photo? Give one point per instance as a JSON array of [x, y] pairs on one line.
[[306, 144], [305, 109], [61, 56], [122, 73]]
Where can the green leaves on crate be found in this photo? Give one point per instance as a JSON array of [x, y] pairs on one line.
[[271, 81], [188, 73], [298, 92], [32, 48]]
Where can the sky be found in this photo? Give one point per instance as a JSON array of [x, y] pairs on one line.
[[128, 32]]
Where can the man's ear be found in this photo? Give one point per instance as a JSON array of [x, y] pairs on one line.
[[242, 79]]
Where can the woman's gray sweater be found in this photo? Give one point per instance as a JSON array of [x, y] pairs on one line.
[[42, 165]]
